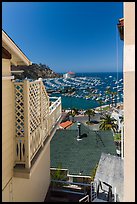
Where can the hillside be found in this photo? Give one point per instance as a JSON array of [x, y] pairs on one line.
[[34, 71]]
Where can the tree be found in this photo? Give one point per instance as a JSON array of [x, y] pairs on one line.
[[108, 123], [73, 112], [90, 112]]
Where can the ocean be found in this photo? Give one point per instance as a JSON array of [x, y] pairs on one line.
[[89, 89]]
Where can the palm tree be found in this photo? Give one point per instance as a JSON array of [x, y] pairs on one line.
[[90, 112], [73, 112], [108, 123]]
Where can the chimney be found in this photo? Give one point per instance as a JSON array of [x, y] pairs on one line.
[[79, 131]]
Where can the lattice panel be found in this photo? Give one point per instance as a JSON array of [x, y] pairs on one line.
[[34, 106], [46, 128], [19, 110], [35, 142], [45, 103]]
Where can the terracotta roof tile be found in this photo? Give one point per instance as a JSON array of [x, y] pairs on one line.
[[66, 124]]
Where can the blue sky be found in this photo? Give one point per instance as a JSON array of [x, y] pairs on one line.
[[67, 36]]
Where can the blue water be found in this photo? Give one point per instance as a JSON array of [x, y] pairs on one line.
[[111, 79]]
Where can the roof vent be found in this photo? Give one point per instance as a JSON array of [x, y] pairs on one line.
[[79, 131]]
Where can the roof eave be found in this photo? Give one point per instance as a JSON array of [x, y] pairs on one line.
[[18, 57]]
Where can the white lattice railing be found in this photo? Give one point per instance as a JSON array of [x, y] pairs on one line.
[[34, 119], [55, 110]]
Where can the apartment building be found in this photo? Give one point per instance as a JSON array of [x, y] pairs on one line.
[[29, 120]]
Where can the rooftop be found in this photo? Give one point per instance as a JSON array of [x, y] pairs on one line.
[[111, 170], [80, 156], [18, 57], [71, 73], [65, 124]]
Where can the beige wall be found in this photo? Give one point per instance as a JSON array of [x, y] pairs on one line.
[[129, 23], [35, 188], [7, 192], [6, 67], [7, 128], [129, 101]]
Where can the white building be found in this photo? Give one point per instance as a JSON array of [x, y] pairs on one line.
[[69, 75], [118, 115]]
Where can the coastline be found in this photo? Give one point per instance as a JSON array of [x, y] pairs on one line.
[[96, 108], [103, 106]]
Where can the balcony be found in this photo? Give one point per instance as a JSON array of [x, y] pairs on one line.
[[36, 118]]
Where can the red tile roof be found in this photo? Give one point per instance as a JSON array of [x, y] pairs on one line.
[[66, 124], [71, 73]]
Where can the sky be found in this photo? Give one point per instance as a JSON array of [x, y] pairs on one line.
[[67, 36]]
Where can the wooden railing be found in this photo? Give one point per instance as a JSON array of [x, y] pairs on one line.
[[34, 119]]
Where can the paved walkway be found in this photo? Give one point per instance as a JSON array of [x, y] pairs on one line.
[[84, 118]]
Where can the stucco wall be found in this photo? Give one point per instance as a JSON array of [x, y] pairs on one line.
[[129, 23], [35, 188], [129, 101], [7, 128], [6, 67], [7, 192]]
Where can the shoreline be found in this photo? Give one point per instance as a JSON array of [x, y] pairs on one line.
[[96, 108]]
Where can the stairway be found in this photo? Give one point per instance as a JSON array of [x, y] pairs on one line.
[[98, 194]]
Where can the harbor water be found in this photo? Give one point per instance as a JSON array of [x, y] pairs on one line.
[[87, 90]]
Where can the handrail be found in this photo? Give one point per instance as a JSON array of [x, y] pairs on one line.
[[84, 199], [55, 103], [69, 182], [70, 187]]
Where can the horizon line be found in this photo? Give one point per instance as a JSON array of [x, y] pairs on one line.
[[95, 72]]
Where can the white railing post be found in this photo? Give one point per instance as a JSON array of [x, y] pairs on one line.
[[41, 113], [60, 107], [26, 124], [91, 192], [14, 122], [115, 195]]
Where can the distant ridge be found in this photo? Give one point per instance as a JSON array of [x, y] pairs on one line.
[[34, 71]]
